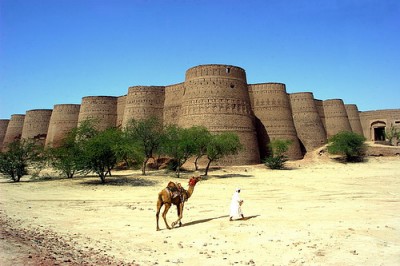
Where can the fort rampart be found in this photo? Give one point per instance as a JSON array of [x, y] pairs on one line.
[[218, 97]]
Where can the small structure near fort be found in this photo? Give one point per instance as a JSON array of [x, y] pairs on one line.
[[218, 97]]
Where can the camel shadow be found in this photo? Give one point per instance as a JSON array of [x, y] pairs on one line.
[[203, 220]]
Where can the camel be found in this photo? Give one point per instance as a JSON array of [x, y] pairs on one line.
[[170, 195]]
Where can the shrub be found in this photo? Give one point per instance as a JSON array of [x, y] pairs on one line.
[[349, 145], [277, 158]]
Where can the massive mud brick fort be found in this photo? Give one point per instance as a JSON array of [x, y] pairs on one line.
[[219, 98]]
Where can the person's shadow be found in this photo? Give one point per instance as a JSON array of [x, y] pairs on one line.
[[215, 218]]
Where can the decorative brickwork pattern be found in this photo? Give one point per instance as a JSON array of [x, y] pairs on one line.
[[63, 119], [101, 109], [307, 121], [143, 102], [216, 97]]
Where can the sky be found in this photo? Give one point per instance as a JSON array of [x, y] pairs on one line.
[[58, 51]]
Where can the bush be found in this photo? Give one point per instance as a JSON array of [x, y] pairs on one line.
[[349, 145], [278, 158]]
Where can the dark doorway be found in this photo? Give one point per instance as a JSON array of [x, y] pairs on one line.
[[379, 133]]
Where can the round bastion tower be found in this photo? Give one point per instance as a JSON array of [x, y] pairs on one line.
[[36, 125], [14, 129], [63, 119], [143, 102], [101, 109], [309, 127], [354, 118], [271, 106], [216, 96], [336, 119]]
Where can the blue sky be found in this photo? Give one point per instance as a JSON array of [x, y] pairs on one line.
[[58, 51]]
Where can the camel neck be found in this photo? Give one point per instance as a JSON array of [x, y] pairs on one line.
[[190, 191]]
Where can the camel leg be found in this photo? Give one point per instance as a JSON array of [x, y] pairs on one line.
[[159, 205], [164, 215], [180, 215]]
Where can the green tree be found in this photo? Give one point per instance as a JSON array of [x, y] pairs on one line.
[[392, 135], [278, 148], [221, 145], [178, 143], [19, 154], [98, 153], [348, 144], [200, 138], [146, 135]]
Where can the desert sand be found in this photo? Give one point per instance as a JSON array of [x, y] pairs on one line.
[[317, 212]]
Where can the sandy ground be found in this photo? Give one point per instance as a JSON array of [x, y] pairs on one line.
[[319, 212]]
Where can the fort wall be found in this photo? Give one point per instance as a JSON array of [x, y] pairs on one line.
[[121, 102], [216, 97], [14, 129], [36, 125], [3, 130], [272, 109], [143, 102], [101, 109], [173, 103], [307, 121], [336, 119], [354, 118], [63, 119]]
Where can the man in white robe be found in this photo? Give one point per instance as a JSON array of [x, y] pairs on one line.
[[236, 203]]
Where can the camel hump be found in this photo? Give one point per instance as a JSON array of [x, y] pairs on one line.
[[171, 185]]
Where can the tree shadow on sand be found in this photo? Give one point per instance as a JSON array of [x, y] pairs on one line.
[[231, 175], [121, 181]]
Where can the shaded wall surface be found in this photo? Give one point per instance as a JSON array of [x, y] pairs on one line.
[[273, 112], [63, 119], [216, 96], [173, 103], [3, 130], [120, 110], [307, 121]]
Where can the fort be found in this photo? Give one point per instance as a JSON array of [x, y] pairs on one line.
[[218, 97]]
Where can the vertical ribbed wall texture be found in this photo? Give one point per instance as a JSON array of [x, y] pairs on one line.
[[63, 119], [307, 121], [36, 125], [144, 102], [3, 130], [14, 129], [216, 96], [336, 119], [173, 103], [272, 109], [101, 109], [120, 110], [354, 118]]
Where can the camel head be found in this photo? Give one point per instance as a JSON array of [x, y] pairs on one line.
[[193, 180]]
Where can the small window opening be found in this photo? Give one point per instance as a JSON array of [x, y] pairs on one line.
[[232, 86], [228, 70]]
